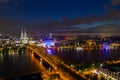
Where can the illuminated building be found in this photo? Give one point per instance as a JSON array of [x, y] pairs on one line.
[[23, 38], [48, 42], [50, 35], [110, 72]]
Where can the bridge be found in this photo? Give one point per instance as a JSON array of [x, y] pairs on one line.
[[65, 71]]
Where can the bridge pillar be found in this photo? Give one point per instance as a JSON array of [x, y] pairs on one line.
[[28, 50]]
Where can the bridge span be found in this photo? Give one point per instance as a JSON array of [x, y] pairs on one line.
[[65, 71]]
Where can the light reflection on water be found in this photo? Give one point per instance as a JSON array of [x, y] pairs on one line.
[[14, 63], [18, 63], [49, 51], [106, 51], [88, 55]]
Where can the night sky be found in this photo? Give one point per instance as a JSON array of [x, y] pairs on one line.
[[44, 16]]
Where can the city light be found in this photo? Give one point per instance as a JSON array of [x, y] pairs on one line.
[[79, 48], [60, 39], [49, 51]]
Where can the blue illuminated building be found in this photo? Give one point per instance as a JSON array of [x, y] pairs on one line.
[[49, 41]]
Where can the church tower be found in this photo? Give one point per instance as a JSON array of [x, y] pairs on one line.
[[25, 34], [23, 38]]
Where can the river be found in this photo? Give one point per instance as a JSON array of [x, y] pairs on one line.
[[96, 55], [14, 63]]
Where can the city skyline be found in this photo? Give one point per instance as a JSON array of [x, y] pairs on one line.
[[57, 16], [60, 39]]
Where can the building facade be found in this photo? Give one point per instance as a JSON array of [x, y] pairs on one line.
[[23, 38]]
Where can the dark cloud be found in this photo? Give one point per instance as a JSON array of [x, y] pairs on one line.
[[115, 2], [110, 4], [5, 7], [103, 29], [111, 15], [6, 4], [65, 24], [10, 26], [72, 25], [3, 1], [8, 1]]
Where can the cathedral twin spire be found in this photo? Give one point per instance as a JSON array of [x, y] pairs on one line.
[[23, 34], [23, 38]]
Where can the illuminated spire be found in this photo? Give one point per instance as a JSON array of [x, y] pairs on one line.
[[22, 35], [24, 39], [50, 35], [41, 39], [25, 35]]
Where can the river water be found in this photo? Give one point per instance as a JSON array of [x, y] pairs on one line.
[[14, 63], [88, 55]]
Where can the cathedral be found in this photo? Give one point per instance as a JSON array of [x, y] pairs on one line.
[[23, 38]]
